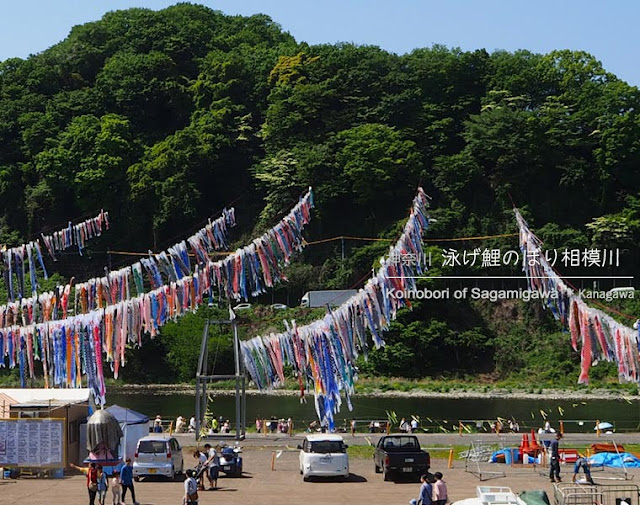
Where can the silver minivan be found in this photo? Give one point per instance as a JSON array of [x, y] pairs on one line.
[[158, 455]]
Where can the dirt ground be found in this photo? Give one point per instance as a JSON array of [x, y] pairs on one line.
[[262, 486]]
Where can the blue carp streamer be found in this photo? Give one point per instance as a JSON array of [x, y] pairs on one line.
[[323, 353]]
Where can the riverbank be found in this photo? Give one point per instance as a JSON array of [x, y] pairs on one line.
[[495, 393]]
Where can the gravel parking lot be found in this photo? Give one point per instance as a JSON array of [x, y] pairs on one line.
[[261, 486]]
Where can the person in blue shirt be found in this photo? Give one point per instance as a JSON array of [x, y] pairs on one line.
[[426, 490], [103, 484], [126, 478]]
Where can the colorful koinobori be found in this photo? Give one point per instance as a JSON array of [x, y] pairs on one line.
[[115, 286], [75, 345], [13, 258], [163, 268], [324, 352], [601, 337]]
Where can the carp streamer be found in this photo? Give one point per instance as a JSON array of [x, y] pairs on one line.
[[596, 334], [73, 345], [323, 353]]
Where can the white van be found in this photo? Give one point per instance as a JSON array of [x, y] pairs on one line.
[[158, 455], [323, 455]]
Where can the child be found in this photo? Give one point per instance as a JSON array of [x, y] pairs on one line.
[[102, 485], [116, 488]]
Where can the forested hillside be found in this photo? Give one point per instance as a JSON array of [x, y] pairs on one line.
[[164, 118]]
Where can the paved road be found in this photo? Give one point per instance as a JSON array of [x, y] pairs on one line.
[[284, 486]]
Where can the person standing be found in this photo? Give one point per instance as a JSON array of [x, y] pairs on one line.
[[192, 424], [201, 460], [103, 485], [213, 462], [190, 489], [116, 488], [92, 480], [439, 494], [426, 491], [126, 478], [414, 425], [157, 424], [554, 461]]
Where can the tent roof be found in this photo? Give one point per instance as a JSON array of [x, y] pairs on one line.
[[125, 415], [28, 395]]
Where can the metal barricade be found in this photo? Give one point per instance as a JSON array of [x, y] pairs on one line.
[[600, 494]]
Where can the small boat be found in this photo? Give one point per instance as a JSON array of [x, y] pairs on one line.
[[490, 495]]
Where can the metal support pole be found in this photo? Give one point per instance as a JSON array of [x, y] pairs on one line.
[[197, 408], [244, 405], [201, 395], [236, 352]]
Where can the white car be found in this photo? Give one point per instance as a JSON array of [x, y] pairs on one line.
[[323, 455], [158, 455]]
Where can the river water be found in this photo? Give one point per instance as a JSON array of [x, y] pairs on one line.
[[435, 414]]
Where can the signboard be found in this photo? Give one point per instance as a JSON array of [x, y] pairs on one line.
[[32, 442]]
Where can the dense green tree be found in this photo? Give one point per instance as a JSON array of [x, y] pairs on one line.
[[165, 117]]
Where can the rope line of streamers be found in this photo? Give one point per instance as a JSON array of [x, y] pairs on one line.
[[16, 260], [72, 347], [160, 269], [599, 336], [323, 353]]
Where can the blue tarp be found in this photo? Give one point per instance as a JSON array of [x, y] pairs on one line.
[[510, 455], [614, 460], [124, 415]]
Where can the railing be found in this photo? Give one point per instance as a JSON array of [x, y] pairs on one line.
[[601, 494]]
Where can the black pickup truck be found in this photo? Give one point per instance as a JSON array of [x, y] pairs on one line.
[[397, 455]]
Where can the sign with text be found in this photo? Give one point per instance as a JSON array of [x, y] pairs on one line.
[[32, 442]]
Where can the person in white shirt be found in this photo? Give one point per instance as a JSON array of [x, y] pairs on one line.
[[180, 424], [190, 489], [414, 425], [213, 462], [192, 424]]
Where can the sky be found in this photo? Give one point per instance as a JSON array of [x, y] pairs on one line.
[[605, 29]]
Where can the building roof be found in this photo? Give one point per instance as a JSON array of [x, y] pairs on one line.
[[44, 396], [43, 404], [5, 405]]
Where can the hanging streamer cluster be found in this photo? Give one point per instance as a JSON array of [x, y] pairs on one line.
[[160, 269], [599, 336], [74, 345], [76, 234], [323, 353], [257, 266], [16, 260]]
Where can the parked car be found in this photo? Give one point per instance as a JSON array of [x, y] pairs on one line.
[[158, 455], [231, 461], [242, 306], [279, 306], [323, 455], [397, 455]]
